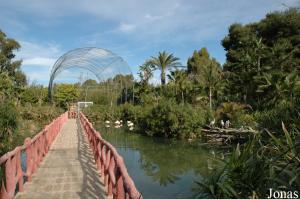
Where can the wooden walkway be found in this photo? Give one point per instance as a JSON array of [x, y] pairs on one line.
[[68, 170]]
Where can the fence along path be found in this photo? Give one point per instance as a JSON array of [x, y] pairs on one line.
[[69, 170]]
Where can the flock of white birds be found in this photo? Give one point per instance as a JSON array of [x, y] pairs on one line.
[[223, 124], [119, 124]]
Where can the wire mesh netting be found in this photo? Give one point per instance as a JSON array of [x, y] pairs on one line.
[[103, 63]]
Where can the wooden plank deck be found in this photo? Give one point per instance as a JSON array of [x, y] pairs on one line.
[[68, 170]]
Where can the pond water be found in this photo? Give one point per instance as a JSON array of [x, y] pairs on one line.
[[160, 168]]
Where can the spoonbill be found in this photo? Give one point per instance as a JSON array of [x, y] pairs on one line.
[[212, 123]]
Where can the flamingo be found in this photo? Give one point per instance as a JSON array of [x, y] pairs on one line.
[[117, 124], [129, 124], [107, 123]]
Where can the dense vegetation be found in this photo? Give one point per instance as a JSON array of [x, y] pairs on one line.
[[262, 70], [24, 109], [258, 87]]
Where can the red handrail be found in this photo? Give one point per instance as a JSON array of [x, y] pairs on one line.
[[110, 164], [35, 150]]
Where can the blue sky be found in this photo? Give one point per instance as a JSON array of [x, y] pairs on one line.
[[133, 29]]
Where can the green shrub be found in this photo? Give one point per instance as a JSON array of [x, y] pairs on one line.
[[40, 114], [271, 119], [98, 113], [252, 169], [131, 112], [8, 125], [168, 119], [95, 112]]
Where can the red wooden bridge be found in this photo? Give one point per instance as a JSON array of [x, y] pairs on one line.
[[67, 159]]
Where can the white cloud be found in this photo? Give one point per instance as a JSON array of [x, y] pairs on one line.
[[39, 77], [176, 21], [39, 61], [126, 28], [153, 20], [31, 50], [152, 17], [130, 26]]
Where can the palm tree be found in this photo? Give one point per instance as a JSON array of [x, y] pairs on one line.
[[278, 87], [212, 78], [145, 73], [162, 62], [179, 78]]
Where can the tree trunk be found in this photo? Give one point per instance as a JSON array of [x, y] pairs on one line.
[[163, 77], [210, 98], [182, 96]]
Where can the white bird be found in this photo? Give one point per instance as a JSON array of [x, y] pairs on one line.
[[107, 122], [212, 123], [222, 123], [117, 124], [107, 125], [130, 124], [227, 124], [131, 128], [213, 153]]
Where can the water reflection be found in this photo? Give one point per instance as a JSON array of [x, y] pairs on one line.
[[160, 168]]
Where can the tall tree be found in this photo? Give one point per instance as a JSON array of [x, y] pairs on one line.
[[64, 94], [12, 80], [212, 77], [198, 62], [180, 81], [89, 82], [205, 70], [162, 62], [246, 56], [7, 63], [258, 50]]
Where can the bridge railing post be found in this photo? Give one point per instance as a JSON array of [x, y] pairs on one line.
[[120, 186], [29, 159], [35, 149], [110, 164]]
